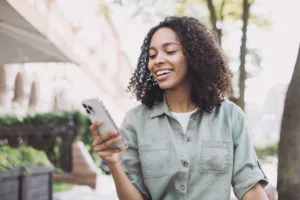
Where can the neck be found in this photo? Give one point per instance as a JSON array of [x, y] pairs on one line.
[[179, 100]]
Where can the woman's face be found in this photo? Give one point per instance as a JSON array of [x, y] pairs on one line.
[[167, 62]]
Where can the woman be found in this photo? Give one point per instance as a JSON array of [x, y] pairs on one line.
[[184, 141]]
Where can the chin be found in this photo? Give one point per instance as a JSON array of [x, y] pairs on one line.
[[165, 86]]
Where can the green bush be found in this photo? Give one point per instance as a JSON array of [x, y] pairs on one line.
[[78, 120], [52, 119], [267, 150], [60, 187], [21, 157]]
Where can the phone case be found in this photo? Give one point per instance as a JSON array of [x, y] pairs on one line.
[[97, 112]]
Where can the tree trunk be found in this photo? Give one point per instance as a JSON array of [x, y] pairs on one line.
[[243, 53], [289, 146], [213, 18]]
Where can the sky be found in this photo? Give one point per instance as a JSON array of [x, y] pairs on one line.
[[279, 49], [278, 45]]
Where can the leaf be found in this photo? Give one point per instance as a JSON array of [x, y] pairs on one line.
[[259, 20], [137, 11], [255, 55]]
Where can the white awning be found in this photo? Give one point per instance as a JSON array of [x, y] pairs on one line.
[[21, 42]]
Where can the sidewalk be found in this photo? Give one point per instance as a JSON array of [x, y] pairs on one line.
[[106, 189]]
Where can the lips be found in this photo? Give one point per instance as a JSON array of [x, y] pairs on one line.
[[163, 74]]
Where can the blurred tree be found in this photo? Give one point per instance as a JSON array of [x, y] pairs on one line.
[[219, 12], [243, 52], [289, 145]]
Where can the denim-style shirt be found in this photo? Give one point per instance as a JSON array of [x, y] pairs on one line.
[[214, 154]]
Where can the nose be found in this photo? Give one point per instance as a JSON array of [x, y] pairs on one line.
[[160, 59]]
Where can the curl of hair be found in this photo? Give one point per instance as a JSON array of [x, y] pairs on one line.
[[207, 66]]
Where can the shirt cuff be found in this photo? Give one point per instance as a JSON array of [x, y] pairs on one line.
[[256, 176]]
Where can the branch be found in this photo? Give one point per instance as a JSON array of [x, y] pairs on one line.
[[221, 10], [219, 31], [213, 16]]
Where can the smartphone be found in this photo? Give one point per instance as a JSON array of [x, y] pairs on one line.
[[97, 112]]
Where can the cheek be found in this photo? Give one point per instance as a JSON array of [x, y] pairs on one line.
[[150, 66], [181, 65], [184, 65]]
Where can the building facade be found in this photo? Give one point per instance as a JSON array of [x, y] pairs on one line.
[[97, 66]]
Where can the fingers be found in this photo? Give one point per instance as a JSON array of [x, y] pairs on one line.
[[98, 140], [96, 134], [94, 129], [102, 145], [109, 152], [123, 148], [108, 136]]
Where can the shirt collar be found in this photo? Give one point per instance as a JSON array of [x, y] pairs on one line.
[[160, 109]]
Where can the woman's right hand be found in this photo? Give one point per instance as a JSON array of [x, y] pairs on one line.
[[102, 144]]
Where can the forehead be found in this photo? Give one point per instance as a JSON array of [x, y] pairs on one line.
[[162, 36]]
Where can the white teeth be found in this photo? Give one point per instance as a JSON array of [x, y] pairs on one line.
[[163, 72]]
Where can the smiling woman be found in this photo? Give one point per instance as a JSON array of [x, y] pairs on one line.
[[167, 62], [185, 141], [183, 46]]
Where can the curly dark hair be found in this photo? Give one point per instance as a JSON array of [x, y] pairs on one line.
[[207, 67]]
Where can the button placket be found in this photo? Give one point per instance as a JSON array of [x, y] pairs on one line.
[[188, 139], [183, 139], [182, 187], [185, 163]]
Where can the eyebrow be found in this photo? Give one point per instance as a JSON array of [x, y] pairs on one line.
[[165, 44]]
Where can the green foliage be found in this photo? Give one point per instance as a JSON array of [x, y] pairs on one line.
[[31, 156], [22, 157], [9, 158], [79, 121], [83, 133], [267, 150], [52, 119], [59, 187]]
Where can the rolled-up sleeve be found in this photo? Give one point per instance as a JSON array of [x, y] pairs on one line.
[[247, 170], [130, 157]]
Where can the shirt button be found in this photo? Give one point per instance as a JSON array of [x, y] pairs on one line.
[[182, 187], [185, 164]]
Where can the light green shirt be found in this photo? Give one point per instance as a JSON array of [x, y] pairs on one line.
[[214, 154]]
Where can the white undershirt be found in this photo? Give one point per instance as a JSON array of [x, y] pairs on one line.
[[184, 118]]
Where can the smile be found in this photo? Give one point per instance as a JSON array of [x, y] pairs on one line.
[[163, 72]]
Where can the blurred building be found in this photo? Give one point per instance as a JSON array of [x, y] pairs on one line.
[[267, 123], [55, 53]]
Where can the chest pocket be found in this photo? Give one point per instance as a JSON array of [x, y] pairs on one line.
[[214, 156], [155, 160]]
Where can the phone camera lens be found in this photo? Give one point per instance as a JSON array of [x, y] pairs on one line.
[[88, 111], [85, 106], [90, 108]]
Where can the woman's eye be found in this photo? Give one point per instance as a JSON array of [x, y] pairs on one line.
[[171, 52], [152, 56]]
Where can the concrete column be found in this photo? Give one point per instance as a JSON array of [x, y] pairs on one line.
[[3, 89]]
